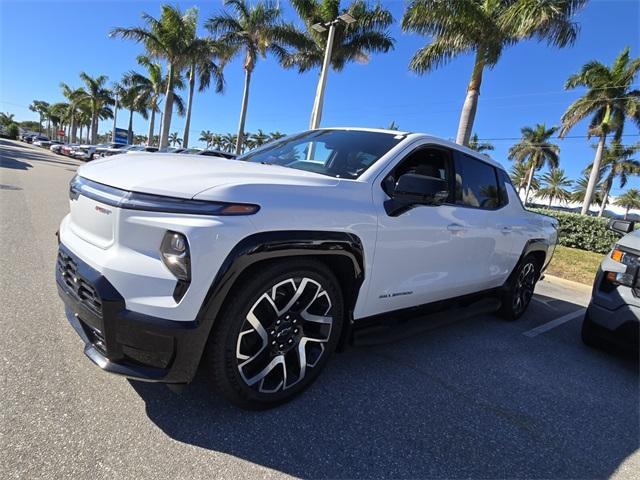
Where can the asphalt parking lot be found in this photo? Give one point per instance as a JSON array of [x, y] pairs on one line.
[[480, 398]]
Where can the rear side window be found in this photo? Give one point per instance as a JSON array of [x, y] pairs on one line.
[[504, 182], [476, 183]]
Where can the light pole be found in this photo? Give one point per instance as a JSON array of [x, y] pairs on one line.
[[316, 113]]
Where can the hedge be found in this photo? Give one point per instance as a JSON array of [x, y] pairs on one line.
[[582, 231]]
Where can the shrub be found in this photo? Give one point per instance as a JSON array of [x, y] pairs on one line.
[[13, 131], [582, 231]]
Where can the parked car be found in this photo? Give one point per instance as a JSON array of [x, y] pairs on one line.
[[84, 152], [68, 149], [613, 315], [171, 150], [112, 149], [56, 147], [40, 141], [140, 148], [191, 151], [269, 263], [218, 153]]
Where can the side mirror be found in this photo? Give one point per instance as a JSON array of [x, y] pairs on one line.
[[412, 189], [621, 226]]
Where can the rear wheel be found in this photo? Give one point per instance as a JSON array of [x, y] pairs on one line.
[[275, 333], [519, 290]]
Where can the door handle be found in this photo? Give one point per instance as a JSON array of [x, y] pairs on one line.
[[506, 229], [456, 227]]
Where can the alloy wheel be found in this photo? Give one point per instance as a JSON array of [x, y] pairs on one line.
[[283, 335], [525, 284]]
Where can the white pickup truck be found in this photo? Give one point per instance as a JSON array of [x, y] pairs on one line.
[[261, 267]]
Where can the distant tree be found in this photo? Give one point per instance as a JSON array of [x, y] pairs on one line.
[[29, 125], [174, 139], [610, 99], [393, 125], [535, 150], [6, 119], [40, 107], [580, 190], [206, 136], [616, 164], [98, 97], [475, 144], [555, 184], [519, 177], [259, 138], [630, 199], [275, 136]]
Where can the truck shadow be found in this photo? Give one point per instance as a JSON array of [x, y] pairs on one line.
[[471, 399]]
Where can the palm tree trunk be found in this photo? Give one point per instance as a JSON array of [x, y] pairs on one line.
[[168, 107], [130, 130], [468, 114], [593, 177], [151, 122], [94, 129], [550, 200], [605, 198], [74, 140], [526, 193], [187, 122], [243, 111]]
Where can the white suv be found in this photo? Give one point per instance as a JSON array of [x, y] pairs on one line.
[[261, 267]]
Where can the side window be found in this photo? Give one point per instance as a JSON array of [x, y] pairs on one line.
[[504, 182], [476, 183], [430, 162]]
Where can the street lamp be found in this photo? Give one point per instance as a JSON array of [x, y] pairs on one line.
[[347, 19]]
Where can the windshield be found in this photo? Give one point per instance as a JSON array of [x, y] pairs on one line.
[[336, 153]]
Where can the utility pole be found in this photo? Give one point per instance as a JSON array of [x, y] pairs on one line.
[[115, 117]]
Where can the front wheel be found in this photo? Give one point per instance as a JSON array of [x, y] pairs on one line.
[[275, 333], [519, 290]]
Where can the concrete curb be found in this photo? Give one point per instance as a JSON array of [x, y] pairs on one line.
[[562, 282]]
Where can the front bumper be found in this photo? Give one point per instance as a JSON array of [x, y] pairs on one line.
[[616, 313], [121, 341]]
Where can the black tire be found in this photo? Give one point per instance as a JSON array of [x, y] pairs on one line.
[[276, 320], [589, 334], [518, 291]]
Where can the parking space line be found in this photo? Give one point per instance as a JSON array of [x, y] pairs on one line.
[[554, 323]]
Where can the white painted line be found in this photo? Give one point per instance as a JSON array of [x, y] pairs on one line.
[[534, 332]]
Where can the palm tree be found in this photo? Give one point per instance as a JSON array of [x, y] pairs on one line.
[[216, 141], [276, 135], [259, 138], [534, 150], [520, 177], [353, 42], [151, 88], [6, 119], [202, 53], [579, 192], [229, 142], [252, 31], [616, 164], [40, 107], [131, 95], [484, 28], [73, 95], [555, 186], [98, 98], [167, 38], [174, 139], [57, 113], [629, 200], [609, 101], [206, 136], [478, 146]]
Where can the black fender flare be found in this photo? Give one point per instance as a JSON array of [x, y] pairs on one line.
[[278, 244]]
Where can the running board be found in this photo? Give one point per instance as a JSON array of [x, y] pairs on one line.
[[394, 329]]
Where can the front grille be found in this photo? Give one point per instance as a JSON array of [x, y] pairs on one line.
[[78, 286]]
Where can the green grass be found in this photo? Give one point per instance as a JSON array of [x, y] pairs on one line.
[[575, 264]]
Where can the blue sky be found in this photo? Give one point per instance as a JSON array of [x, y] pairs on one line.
[[45, 42]]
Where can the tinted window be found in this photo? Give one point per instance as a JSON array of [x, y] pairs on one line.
[[476, 183], [504, 182], [429, 162], [337, 153]]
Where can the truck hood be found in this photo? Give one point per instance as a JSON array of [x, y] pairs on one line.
[[631, 240], [185, 176]]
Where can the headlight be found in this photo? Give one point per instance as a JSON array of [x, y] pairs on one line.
[[175, 255], [628, 277]]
